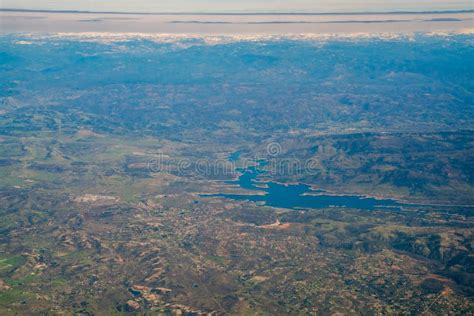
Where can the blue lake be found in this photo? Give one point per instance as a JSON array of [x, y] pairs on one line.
[[293, 196], [233, 157]]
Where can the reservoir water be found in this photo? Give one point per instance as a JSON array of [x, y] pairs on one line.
[[301, 196]]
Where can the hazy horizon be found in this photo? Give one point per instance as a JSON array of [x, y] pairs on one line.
[[323, 6]]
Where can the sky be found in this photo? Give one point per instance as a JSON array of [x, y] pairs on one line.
[[240, 5]]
